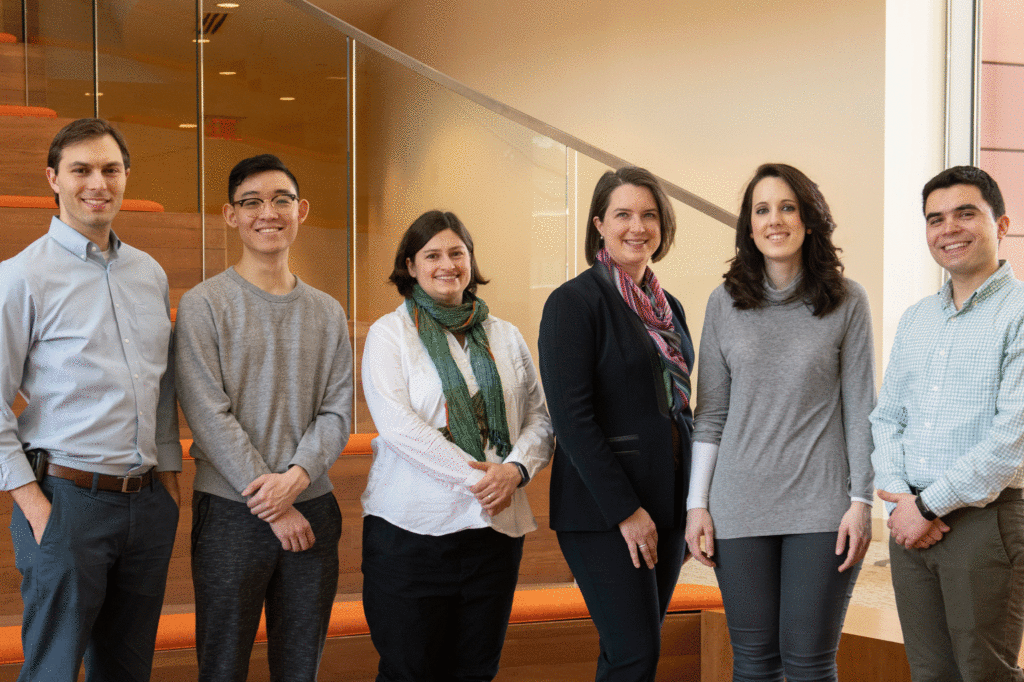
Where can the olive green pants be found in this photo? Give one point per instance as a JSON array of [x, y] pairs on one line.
[[961, 601]]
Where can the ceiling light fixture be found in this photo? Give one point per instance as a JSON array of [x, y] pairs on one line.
[[336, 78], [98, 94], [187, 125], [287, 99], [227, 73], [227, 5], [201, 40]]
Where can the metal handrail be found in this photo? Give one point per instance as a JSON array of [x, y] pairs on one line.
[[672, 189]]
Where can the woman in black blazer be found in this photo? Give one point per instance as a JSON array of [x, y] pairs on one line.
[[615, 358]]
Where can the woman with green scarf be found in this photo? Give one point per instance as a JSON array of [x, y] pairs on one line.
[[463, 427]]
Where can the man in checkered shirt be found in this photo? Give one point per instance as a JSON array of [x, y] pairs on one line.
[[949, 440]]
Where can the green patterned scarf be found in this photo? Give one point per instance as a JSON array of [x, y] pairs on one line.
[[431, 320]]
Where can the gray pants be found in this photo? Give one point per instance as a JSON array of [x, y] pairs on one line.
[[785, 602], [238, 565], [961, 601]]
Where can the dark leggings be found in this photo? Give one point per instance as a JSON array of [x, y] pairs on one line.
[[785, 602]]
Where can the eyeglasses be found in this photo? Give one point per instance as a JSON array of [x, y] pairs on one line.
[[254, 205]]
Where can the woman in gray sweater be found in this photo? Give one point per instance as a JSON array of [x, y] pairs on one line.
[[781, 438]]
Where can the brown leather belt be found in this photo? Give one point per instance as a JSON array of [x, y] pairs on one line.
[[117, 484]]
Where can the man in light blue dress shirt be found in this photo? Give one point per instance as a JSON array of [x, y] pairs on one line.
[[949, 446], [85, 337]]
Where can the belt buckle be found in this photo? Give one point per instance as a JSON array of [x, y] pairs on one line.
[[126, 484]]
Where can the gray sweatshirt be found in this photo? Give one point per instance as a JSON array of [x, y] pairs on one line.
[[787, 396], [264, 381]]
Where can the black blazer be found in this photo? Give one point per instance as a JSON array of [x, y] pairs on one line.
[[605, 389]]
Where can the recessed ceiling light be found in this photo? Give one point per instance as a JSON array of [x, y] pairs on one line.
[[98, 94], [186, 125], [227, 73], [287, 99], [201, 40], [227, 5]]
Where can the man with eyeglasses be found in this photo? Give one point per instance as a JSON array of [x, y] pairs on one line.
[[92, 461], [265, 382]]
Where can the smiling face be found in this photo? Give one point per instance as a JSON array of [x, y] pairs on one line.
[[442, 268], [775, 223], [90, 181], [270, 229], [631, 228], [963, 235]]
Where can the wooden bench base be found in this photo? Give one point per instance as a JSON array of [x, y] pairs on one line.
[[534, 652]]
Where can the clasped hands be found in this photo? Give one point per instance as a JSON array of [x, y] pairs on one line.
[[271, 498], [494, 490], [906, 525]]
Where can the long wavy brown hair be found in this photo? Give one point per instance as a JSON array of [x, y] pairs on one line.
[[822, 285]]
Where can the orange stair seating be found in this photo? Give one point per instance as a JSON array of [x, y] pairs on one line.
[[11, 201], [177, 630], [33, 112]]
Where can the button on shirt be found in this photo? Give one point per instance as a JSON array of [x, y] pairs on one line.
[[86, 341], [950, 415]]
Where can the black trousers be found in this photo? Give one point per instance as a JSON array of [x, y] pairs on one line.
[[627, 604], [438, 606]]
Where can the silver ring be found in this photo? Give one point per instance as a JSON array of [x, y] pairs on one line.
[[641, 545]]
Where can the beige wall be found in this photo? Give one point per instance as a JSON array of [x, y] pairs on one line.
[[700, 93]]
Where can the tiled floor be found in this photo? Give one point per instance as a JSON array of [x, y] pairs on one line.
[[873, 589]]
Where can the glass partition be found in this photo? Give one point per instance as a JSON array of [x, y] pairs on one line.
[[61, 51], [373, 137], [275, 81], [424, 148]]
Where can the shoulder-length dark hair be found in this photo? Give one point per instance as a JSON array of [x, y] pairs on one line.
[[629, 175], [416, 237], [822, 285]]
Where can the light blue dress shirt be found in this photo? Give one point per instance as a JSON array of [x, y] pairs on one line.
[[86, 342], [950, 415]]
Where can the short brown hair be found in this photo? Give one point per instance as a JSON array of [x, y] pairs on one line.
[[609, 182], [416, 237], [79, 131]]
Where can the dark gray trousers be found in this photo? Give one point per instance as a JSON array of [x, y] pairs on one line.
[[785, 602], [238, 566], [961, 601], [95, 584]]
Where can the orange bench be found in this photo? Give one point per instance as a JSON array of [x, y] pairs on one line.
[[12, 201], [177, 630], [24, 111]]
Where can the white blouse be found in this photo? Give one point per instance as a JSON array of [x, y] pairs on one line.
[[419, 480]]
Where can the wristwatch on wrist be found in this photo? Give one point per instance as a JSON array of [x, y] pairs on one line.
[[927, 513]]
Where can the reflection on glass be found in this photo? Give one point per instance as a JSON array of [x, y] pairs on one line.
[[61, 48], [275, 82], [420, 147]]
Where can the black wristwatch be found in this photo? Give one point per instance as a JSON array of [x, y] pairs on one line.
[[927, 513], [524, 473]]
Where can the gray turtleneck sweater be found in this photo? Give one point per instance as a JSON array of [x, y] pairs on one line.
[[786, 395]]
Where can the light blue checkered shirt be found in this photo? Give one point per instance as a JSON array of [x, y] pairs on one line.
[[950, 415]]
